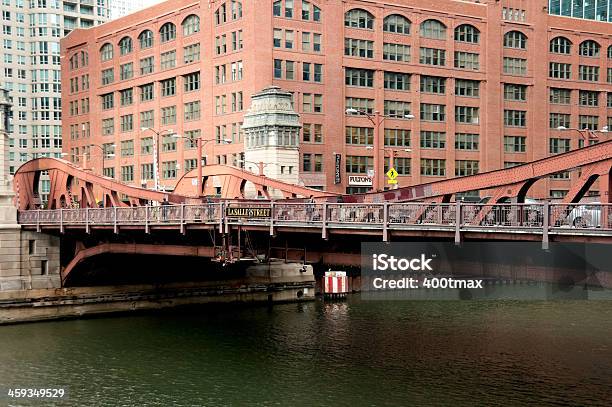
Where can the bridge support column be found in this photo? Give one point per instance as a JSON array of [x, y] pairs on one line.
[[458, 223], [87, 220], [545, 224]]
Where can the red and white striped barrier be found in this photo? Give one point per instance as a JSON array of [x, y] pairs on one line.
[[336, 283]]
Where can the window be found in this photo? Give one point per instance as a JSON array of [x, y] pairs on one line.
[[467, 60], [467, 88], [433, 84], [433, 139], [432, 56], [465, 167], [358, 18], [312, 162], [401, 165], [558, 70], [191, 25], [289, 70], [126, 71], [167, 32], [192, 111], [146, 171], [127, 123], [191, 53], [146, 92], [466, 141], [358, 48], [359, 77], [560, 96], [277, 38], [433, 112], [515, 39], [106, 52], [127, 97], [588, 98], [108, 126], [221, 14], [127, 148], [127, 173], [558, 145], [168, 143], [108, 76], [169, 169], [220, 44], [312, 103], [589, 48], [433, 167], [146, 65], [289, 8], [107, 101], [359, 135], [397, 81], [396, 23], [588, 122], [515, 66], [560, 45], [515, 118], [515, 92], [363, 104], [146, 145], [147, 119], [557, 120], [396, 52], [168, 60], [168, 87], [146, 39], [466, 114], [125, 46], [467, 33], [306, 71], [588, 73], [397, 109], [515, 144], [357, 164], [433, 29], [191, 81]]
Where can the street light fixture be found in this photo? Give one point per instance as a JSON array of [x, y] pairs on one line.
[[376, 119], [586, 134], [260, 165], [168, 132]]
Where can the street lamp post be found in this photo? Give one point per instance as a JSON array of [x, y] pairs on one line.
[[168, 132], [392, 152], [260, 165], [200, 147], [103, 149], [376, 119]]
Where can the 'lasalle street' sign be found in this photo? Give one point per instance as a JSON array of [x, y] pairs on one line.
[[242, 212]]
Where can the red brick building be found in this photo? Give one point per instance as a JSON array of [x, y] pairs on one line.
[[488, 83]]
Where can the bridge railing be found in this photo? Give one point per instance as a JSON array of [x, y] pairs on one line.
[[539, 217]]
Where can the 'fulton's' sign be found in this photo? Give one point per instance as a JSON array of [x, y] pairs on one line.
[[242, 212]]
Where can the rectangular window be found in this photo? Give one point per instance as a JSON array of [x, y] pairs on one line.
[[168, 87], [147, 119], [397, 81], [127, 97], [514, 92], [357, 164], [359, 77], [432, 56], [108, 127], [396, 52], [127, 148], [588, 98], [147, 65], [126, 71], [127, 123], [401, 165], [433, 112], [146, 171], [515, 118], [466, 114], [515, 66], [433, 139], [467, 60], [277, 38], [191, 53], [168, 60], [168, 115], [560, 96], [108, 76], [515, 144], [146, 145], [433, 167], [588, 122], [169, 169], [397, 109], [397, 138], [359, 135], [127, 173], [192, 110], [191, 81], [467, 88], [558, 145], [362, 104], [466, 167], [108, 101], [466, 141], [433, 84], [358, 48], [168, 143], [146, 92], [559, 120], [558, 70], [588, 73]]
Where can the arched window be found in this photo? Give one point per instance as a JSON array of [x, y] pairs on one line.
[[106, 52], [358, 18], [395, 23], [515, 39], [310, 11], [125, 45], [467, 33], [191, 25], [167, 32], [560, 45], [221, 14], [146, 39], [74, 61], [589, 48], [433, 29]]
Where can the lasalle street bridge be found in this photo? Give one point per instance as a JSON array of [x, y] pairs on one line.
[[301, 224]]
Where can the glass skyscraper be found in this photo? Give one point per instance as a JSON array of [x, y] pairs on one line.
[[599, 10]]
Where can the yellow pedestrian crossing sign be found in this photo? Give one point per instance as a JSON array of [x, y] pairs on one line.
[[392, 175]]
